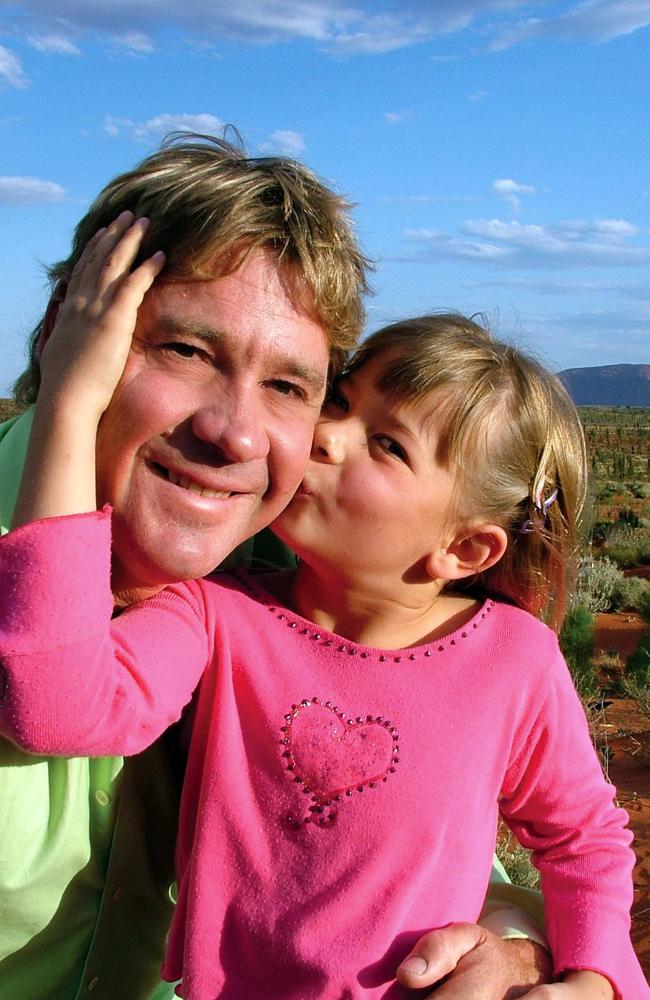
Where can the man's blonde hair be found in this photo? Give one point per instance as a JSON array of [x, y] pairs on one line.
[[509, 430], [210, 205]]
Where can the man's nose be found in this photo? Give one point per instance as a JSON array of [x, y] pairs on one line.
[[329, 442], [234, 425]]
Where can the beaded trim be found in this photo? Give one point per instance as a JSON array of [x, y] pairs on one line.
[[311, 632]]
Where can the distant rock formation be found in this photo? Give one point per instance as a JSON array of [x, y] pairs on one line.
[[608, 385]]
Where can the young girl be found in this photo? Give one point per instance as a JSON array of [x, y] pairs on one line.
[[361, 722]]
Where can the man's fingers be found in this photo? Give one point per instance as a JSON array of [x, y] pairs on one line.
[[475, 963], [438, 953]]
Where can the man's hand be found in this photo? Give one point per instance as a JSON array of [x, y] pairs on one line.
[[478, 966]]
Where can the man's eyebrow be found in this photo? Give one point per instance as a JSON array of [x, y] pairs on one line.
[[175, 325], [288, 365]]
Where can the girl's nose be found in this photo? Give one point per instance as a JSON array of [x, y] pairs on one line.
[[329, 442]]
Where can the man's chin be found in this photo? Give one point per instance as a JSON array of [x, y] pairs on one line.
[[151, 560]]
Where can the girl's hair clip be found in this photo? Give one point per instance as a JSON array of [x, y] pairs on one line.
[[542, 507]]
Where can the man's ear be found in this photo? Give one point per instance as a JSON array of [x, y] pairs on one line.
[[471, 552], [51, 314]]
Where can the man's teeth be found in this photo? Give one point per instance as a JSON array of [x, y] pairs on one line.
[[189, 484]]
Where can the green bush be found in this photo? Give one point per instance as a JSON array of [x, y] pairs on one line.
[[630, 594], [644, 607], [629, 518], [638, 664], [628, 548], [577, 643]]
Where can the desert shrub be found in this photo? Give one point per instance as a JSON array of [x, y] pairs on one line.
[[638, 664], [610, 489], [630, 594], [516, 861], [628, 546], [629, 518], [577, 643], [598, 580], [639, 490], [644, 607], [601, 530], [640, 693]]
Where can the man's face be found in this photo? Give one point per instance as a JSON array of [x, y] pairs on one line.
[[209, 431]]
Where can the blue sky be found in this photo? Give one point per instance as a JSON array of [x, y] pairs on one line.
[[497, 151]]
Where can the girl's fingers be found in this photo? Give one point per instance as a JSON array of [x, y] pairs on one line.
[[106, 261], [134, 288], [91, 260], [115, 253]]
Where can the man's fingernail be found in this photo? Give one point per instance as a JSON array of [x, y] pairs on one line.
[[414, 964]]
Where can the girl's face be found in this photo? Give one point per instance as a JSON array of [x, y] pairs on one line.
[[374, 500]]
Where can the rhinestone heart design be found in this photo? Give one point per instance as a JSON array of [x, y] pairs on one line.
[[333, 756]]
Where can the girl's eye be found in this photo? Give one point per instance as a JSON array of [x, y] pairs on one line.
[[391, 446]]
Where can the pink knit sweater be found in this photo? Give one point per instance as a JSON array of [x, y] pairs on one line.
[[339, 800]]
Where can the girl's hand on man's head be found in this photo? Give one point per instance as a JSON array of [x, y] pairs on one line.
[[86, 350]]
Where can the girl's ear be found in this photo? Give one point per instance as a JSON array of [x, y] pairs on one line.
[[472, 552]]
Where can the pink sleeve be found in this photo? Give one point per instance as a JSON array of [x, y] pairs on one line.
[[73, 682], [559, 805]]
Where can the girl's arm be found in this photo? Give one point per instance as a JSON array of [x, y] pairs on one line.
[[71, 680], [559, 805], [81, 364]]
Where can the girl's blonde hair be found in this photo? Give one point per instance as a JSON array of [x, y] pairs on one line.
[[509, 430]]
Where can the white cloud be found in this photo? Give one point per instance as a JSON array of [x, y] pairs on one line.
[[340, 26], [56, 44], [284, 142], [136, 41], [510, 190], [397, 117], [591, 20], [478, 95], [29, 191], [11, 70], [603, 242], [162, 124], [440, 245]]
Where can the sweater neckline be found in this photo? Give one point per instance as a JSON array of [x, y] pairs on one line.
[[306, 629]]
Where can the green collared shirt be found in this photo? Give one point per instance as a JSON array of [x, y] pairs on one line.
[[86, 853]]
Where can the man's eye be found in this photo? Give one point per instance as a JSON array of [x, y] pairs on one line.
[[285, 388], [390, 445], [181, 349]]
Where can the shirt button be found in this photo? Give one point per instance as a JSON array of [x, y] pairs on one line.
[[102, 797], [93, 983]]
